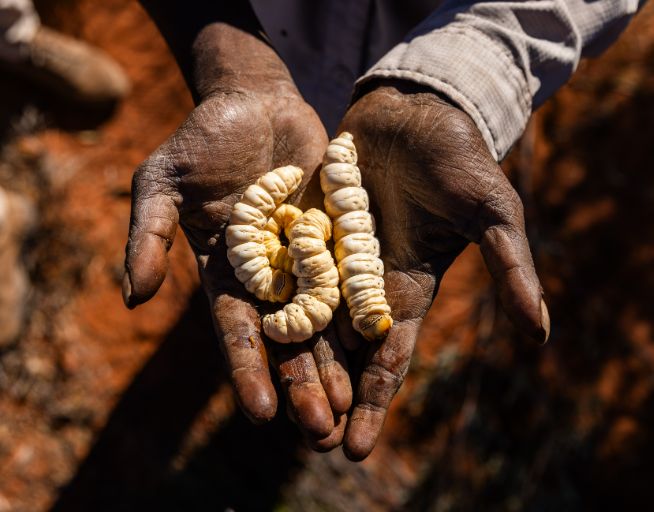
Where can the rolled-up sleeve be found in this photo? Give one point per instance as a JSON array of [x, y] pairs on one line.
[[499, 60]]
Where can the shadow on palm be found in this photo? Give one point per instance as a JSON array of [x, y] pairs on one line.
[[193, 180], [434, 187]]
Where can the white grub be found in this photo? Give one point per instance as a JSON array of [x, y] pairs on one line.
[[279, 221], [357, 250], [312, 307], [260, 261]]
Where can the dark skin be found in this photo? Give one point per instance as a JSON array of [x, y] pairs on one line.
[[250, 118], [433, 185]]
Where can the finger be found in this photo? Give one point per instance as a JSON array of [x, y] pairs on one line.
[[300, 379], [348, 337], [238, 329], [326, 444], [152, 229], [505, 249], [380, 380], [333, 440], [332, 369]]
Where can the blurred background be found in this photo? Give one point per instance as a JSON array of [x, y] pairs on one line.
[[106, 409]]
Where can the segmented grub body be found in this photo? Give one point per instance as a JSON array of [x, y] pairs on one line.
[[280, 222], [356, 248], [249, 244], [317, 279]]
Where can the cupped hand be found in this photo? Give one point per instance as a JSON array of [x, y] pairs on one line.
[[233, 137], [434, 187]]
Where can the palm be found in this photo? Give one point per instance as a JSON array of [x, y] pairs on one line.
[[433, 187], [194, 179], [215, 161]]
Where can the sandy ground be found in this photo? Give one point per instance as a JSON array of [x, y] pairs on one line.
[[106, 409]]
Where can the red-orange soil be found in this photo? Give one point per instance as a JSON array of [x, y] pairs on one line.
[[106, 409]]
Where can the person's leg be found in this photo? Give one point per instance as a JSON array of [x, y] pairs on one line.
[[17, 219], [56, 61], [18, 26]]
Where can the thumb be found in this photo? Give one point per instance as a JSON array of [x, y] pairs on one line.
[[152, 229]]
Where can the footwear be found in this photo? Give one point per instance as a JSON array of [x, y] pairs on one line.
[[17, 219], [73, 68]]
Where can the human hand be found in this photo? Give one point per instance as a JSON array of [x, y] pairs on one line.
[[250, 119], [433, 187]]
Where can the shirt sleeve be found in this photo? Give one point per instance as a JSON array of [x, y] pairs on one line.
[[499, 60]]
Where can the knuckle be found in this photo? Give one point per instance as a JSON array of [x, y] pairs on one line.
[[502, 205], [390, 378], [369, 406], [459, 124], [153, 167]]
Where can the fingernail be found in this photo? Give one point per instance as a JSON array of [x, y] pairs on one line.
[[544, 321], [127, 290]]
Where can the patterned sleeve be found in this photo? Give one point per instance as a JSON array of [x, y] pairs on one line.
[[499, 60]]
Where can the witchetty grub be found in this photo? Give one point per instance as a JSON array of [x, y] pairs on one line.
[[278, 223], [317, 294], [249, 245], [271, 271], [356, 248]]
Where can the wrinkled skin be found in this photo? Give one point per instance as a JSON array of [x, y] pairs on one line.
[[434, 187], [235, 135]]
